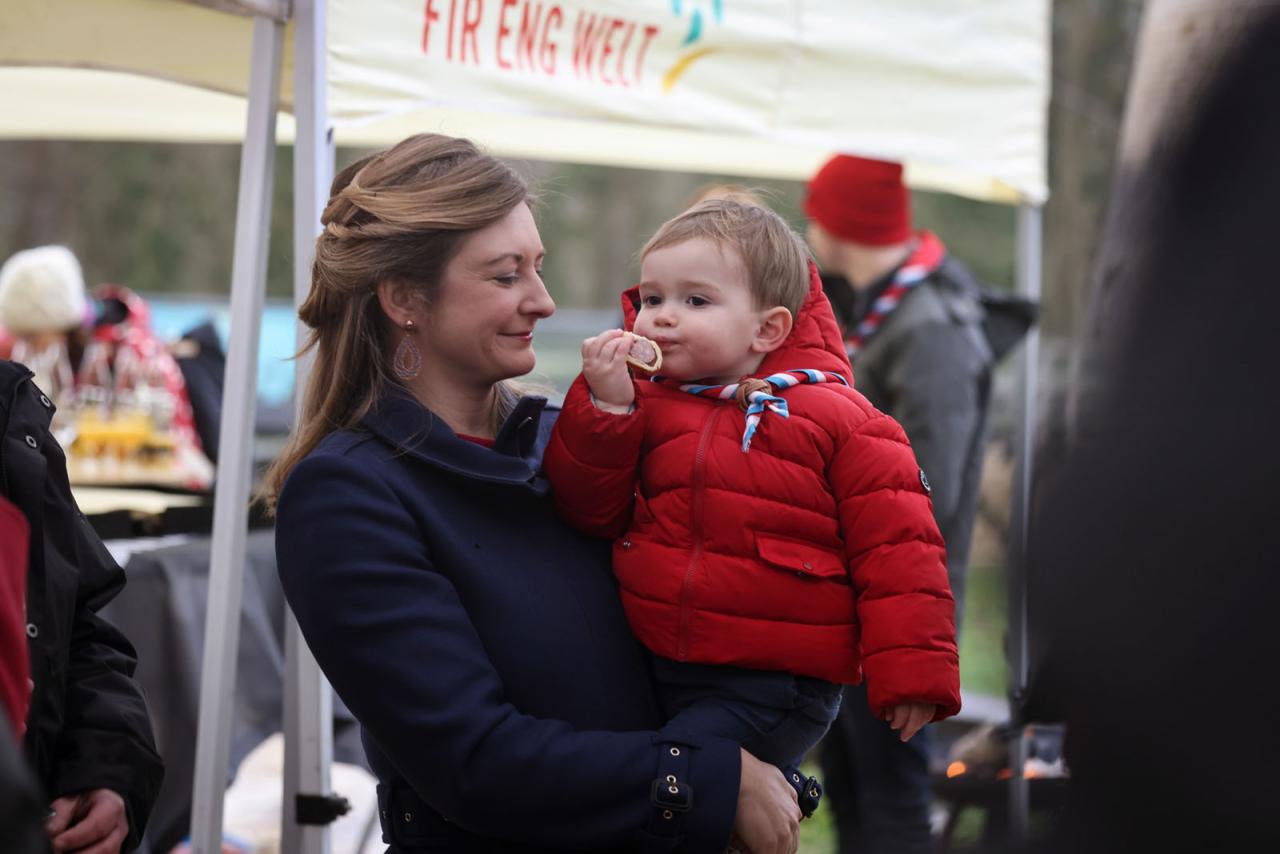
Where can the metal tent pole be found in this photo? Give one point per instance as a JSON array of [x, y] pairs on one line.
[[308, 701], [235, 445], [1029, 261]]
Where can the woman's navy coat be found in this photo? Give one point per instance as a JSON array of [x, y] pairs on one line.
[[482, 646]]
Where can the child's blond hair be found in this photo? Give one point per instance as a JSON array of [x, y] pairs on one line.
[[775, 257]]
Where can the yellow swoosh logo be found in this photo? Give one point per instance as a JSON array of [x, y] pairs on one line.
[[677, 71]]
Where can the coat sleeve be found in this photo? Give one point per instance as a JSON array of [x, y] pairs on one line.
[[106, 739], [392, 635], [898, 565], [591, 462], [937, 390]]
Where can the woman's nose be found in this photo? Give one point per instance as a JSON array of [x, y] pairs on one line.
[[539, 302]]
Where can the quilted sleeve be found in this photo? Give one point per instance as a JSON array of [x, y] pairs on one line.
[[898, 565], [591, 462]]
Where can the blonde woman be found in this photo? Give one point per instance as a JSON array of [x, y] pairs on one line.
[[479, 641]]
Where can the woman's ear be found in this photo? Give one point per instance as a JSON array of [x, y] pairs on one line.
[[399, 302], [774, 327]]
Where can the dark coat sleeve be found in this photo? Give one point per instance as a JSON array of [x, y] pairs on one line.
[[106, 739], [391, 633], [937, 389]]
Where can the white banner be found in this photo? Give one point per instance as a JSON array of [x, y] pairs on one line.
[[955, 87]]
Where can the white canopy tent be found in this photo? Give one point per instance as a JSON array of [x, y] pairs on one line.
[[749, 87]]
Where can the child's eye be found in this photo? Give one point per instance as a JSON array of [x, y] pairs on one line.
[[651, 301], [698, 302]]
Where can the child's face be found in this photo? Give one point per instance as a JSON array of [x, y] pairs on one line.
[[696, 303]]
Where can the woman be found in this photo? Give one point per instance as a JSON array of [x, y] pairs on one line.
[[479, 642]]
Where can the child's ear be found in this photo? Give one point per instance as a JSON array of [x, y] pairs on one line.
[[774, 327]]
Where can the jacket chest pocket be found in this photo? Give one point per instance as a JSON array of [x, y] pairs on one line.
[[804, 559]]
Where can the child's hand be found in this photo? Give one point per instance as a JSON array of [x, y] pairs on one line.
[[910, 717], [604, 366]]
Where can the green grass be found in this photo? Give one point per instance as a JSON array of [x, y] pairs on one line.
[[982, 660]]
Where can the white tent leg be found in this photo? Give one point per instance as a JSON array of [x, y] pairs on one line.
[[308, 702], [235, 446], [1029, 262]]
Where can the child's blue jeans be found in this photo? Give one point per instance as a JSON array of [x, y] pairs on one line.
[[776, 716]]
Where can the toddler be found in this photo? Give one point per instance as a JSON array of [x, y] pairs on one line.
[[774, 536]]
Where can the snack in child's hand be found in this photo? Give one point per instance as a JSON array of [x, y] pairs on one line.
[[644, 354]]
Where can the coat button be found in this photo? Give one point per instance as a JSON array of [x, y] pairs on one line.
[[45, 402], [32, 630], [31, 441], [626, 544], [408, 818], [807, 565]]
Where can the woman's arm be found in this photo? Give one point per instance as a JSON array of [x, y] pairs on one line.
[[591, 462], [391, 634]]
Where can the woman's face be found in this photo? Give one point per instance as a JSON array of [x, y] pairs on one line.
[[479, 329]]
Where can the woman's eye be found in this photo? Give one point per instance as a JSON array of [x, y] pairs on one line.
[[509, 279]]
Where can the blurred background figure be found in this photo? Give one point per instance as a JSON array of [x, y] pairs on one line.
[[1154, 569], [124, 412], [44, 311], [918, 334]]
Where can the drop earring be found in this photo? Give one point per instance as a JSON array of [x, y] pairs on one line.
[[408, 358]]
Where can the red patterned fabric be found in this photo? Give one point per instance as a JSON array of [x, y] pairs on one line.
[[816, 553], [15, 663], [135, 334]]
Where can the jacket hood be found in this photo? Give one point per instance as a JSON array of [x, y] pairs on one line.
[[814, 342]]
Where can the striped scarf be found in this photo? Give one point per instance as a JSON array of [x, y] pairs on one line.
[[925, 258], [754, 395]]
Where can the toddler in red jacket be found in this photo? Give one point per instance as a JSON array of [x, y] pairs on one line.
[[774, 538]]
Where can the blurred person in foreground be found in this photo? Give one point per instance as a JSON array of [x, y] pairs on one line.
[[914, 330], [1154, 572], [20, 811], [88, 736]]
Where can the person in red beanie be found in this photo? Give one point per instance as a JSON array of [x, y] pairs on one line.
[[922, 336]]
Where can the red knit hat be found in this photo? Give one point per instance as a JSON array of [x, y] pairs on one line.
[[861, 200]]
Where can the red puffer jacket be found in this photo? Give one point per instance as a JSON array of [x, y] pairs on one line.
[[816, 553]]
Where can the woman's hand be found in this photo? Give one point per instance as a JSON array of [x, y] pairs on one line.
[[604, 366], [768, 819]]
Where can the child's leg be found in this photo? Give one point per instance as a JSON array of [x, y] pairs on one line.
[[814, 708], [774, 715]]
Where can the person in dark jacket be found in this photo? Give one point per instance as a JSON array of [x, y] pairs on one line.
[[916, 332], [88, 735], [478, 640]]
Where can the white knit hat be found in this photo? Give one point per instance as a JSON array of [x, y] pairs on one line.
[[41, 290]]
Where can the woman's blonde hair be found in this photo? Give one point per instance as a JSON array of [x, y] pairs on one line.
[[399, 215]]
